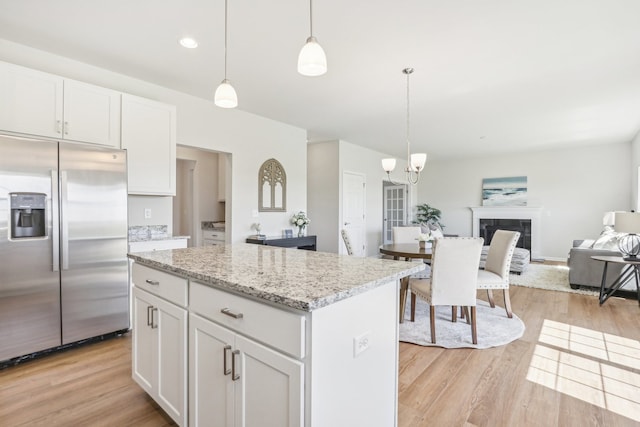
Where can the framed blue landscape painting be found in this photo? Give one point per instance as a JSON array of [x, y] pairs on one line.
[[510, 191]]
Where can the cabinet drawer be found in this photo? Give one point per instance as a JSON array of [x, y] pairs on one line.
[[280, 329], [167, 286], [211, 242], [213, 235]]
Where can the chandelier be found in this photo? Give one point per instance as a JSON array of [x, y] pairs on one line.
[[416, 161]]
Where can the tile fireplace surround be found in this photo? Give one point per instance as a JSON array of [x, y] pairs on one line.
[[511, 212]]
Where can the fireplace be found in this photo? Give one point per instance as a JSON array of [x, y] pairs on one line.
[[525, 219], [489, 226]]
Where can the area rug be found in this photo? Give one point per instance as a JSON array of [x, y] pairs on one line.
[[549, 277], [493, 325]]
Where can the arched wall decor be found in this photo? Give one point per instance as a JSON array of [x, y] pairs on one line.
[[272, 187]]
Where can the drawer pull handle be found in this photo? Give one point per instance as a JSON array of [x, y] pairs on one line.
[[230, 313], [153, 326], [226, 348], [149, 320], [152, 282], [234, 375]]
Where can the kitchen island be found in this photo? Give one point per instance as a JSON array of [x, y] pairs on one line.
[[268, 336]]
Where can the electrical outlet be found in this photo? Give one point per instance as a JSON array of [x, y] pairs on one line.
[[147, 213], [361, 343]]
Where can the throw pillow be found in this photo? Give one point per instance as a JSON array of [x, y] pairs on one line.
[[607, 241]]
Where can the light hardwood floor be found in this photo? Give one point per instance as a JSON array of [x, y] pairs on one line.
[[92, 385]]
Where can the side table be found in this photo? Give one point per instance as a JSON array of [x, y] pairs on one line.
[[632, 269]]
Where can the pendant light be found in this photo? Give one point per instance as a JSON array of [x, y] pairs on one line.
[[225, 96], [312, 60], [416, 161]]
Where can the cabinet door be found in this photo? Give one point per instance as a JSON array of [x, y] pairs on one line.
[[211, 397], [149, 136], [91, 114], [144, 348], [171, 328], [270, 391], [30, 101]]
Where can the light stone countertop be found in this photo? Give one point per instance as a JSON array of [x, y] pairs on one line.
[[136, 239], [300, 279]]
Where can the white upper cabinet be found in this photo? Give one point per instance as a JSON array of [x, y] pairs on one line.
[[91, 114], [31, 101], [149, 136], [43, 104]]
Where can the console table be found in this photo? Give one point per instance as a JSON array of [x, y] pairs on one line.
[[305, 242]]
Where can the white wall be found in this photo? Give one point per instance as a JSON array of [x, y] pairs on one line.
[[573, 186], [249, 138], [323, 194], [635, 176], [161, 211], [327, 163], [205, 182], [354, 158]]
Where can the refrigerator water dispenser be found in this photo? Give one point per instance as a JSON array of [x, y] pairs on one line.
[[28, 215]]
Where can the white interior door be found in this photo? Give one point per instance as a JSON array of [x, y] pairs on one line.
[[395, 210], [353, 211]]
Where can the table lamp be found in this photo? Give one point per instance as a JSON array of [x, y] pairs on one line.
[[609, 219], [629, 245]]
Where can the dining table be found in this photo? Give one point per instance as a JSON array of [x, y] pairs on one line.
[[408, 251]]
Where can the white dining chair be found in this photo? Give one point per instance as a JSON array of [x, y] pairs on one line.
[[347, 241], [453, 281], [409, 235], [406, 234], [496, 269]]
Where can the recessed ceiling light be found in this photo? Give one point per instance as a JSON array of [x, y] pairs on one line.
[[188, 42]]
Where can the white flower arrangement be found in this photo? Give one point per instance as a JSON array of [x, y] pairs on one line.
[[300, 219], [425, 237]]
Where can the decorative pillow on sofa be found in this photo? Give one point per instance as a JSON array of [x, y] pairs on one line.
[[608, 240]]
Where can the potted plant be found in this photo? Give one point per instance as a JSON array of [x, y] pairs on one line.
[[428, 215]]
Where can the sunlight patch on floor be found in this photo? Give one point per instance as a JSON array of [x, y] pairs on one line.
[[596, 382]]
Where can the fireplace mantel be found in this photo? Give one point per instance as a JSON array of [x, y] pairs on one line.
[[511, 212]]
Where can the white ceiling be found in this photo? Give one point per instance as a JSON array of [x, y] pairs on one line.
[[491, 76]]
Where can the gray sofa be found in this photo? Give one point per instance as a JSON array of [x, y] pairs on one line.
[[587, 272]]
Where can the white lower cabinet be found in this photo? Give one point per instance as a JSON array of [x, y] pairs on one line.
[[235, 381], [252, 363], [160, 352], [213, 237]]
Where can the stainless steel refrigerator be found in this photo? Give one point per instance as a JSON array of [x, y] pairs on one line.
[[63, 244]]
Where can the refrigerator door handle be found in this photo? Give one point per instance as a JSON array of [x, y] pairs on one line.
[[64, 224], [55, 231]]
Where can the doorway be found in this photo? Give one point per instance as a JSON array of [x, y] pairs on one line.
[[394, 206], [203, 192]]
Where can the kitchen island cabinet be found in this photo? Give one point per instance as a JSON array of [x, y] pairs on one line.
[[280, 337], [159, 353]]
